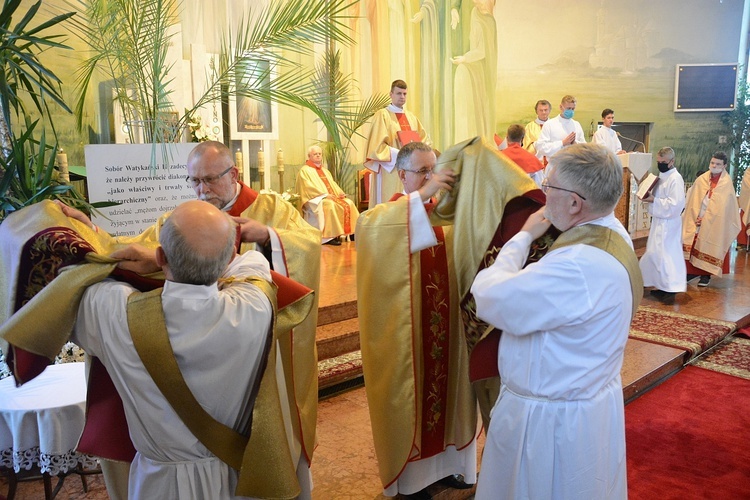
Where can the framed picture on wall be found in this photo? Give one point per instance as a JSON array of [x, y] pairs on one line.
[[253, 119]]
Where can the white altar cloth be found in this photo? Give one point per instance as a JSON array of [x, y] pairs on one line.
[[41, 421]]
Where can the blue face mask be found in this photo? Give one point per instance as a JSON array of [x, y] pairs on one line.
[[568, 113]]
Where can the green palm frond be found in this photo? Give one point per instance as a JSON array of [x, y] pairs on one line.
[[22, 72]]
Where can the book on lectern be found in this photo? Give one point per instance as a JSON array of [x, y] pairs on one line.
[[646, 186]]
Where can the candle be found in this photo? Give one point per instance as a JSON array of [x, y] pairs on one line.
[[238, 161], [261, 164], [261, 170], [280, 165], [62, 165], [280, 160]]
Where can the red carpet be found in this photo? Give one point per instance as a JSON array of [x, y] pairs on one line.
[[683, 331], [690, 438]]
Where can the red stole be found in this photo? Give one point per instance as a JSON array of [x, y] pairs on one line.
[[435, 321], [403, 121], [344, 205], [246, 198]]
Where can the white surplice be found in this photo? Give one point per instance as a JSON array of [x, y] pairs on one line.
[[663, 265], [554, 131], [607, 137], [218, 338], [558, 426]]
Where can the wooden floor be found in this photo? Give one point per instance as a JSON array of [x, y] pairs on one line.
[[345, 467]]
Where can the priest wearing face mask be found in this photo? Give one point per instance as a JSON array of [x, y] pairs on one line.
[[710, 222], [560, 131], [663, 266]]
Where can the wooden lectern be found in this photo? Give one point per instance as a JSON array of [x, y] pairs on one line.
[[636, 165]]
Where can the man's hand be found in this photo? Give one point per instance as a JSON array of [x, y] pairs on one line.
[[136, 258], [74, 213], [252, 231], [536, 224], [418, 17], [438, 180], [649, 199], [570, 139]]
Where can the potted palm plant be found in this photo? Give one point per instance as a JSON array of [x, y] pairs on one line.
[[128, 41], [27, 163]]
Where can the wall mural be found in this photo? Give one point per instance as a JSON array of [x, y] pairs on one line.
[[477, 66]]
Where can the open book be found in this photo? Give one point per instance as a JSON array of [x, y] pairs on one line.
[[646, 186]]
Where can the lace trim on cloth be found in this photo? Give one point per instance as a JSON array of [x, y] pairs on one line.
[[51, 464]]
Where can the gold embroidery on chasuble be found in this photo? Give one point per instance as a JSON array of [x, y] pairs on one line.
[[435, 344]]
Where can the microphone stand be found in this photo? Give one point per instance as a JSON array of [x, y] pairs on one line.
[[631, 140]]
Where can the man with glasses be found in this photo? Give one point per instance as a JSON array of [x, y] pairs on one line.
[[292, 246], [558, 426], [414, 357]]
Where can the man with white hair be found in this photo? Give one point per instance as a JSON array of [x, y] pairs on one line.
[[558, 426], [324, 203]]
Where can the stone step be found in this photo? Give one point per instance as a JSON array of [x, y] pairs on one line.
[[337, 312], [340, 369], [335, 339]]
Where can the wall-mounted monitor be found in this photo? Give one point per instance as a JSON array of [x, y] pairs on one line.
[[705, 87]]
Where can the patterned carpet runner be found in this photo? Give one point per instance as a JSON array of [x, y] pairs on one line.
[[683, 331], [732, 358]]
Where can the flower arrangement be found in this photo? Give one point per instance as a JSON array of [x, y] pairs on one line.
[[199, 131], [289, 195]]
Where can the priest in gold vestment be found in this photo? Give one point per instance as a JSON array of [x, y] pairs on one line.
[[391, 128], [324, 203], [710, 222], [424, 426]]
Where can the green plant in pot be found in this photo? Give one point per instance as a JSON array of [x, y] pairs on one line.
[[27, 164]]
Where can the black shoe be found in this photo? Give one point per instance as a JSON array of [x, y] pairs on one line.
[[334, 242], [667, 298], [691, 277], [420, 495], [455, 481], [659, 294], [703, 282]]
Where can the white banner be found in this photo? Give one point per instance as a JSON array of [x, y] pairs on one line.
[[122, 173]]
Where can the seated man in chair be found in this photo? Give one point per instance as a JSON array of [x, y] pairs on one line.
[[324, 203]]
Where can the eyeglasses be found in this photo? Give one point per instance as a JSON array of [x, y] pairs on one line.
[[421, 172], [546, 187], [208, 180]]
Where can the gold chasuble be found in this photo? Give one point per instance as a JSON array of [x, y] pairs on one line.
[[397, 333], [384, 135], [339, 211], [414, 358], [706, 246], [301, 254]]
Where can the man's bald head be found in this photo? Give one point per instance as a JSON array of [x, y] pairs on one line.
[[197, 242]]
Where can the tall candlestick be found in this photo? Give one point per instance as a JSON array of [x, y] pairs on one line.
[[62, 164], [261, 169], [280, 165], [238, 161]]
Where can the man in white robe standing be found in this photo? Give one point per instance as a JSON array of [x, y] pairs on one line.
[[558, 426], [219, 334], [663, 265], [605, 135], [560, 132]]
